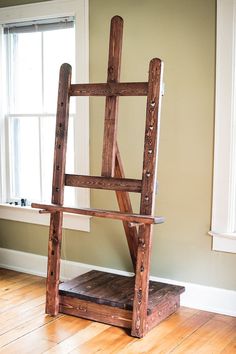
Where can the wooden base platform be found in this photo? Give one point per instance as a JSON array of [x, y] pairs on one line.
[[108, 298]]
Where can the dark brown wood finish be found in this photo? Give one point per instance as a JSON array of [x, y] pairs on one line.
[[151, 137], [139, 320], [115, 290], [55, 231], [53, 267], [110, 89], [111, 107], [108, 183], [61, 134], [109, 214], [108, 298], [141, 288], [131, 302], [125, 206], [96, 312]]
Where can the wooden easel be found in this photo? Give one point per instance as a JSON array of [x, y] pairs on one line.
[[130, 302]]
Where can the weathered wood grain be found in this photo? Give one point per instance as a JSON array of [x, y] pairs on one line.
[[108, 298], [96, 312], [110, 89], [62, 121], [139, 320], [110, 214], [141, 289], [138, 227], [111, 107], [125, 206], [24, 326], [108, 183], [115, 290], [55, 230], [151, 137]]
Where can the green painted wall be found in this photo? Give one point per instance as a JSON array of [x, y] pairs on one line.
[[182, 33]]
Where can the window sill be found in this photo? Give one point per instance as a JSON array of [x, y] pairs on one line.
[[32, 216], [224, 242]]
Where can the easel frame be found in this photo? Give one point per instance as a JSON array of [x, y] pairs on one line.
[[138, 227]]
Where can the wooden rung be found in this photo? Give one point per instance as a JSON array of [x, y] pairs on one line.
[[110, 89], [144, 219], [109, 183]]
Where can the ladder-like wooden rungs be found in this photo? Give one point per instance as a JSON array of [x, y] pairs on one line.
[[132, 218], [108, 183], [110, 89]]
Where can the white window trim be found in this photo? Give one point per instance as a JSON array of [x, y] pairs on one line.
[[223, 209], [52, 9]]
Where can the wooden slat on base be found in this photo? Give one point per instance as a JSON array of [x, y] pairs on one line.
[[108, 298], [96, 312]]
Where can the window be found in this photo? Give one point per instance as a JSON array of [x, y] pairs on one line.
[[33, 46], [223, 227], [33, 57]]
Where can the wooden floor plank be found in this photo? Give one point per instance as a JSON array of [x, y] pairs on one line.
[[15, 335], [230, 347], [156, 334], [16, 319], [177, 335], [10, 286], [8, 303], [21, 308], [213, 337], [53, 331], [110, 340], [27, 345], [24, 327], [80, 337]]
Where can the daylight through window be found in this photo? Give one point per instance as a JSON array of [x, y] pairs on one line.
[[34, 52]]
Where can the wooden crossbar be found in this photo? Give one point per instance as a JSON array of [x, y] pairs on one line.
[[97, 182], [110, 89], [133, 218]]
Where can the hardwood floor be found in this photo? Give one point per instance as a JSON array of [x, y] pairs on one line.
[[24, 327]]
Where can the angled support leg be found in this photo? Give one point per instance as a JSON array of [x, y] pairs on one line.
[[125, 206], [55, 231]]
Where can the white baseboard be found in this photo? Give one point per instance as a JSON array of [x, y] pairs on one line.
[[201, 297]]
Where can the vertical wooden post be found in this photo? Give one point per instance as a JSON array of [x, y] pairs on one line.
[[151, 139], [111, 161], [55, 231], [140, 304], [111, 108]]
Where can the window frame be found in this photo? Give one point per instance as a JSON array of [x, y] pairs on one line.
[[35, 11], [223, 228]]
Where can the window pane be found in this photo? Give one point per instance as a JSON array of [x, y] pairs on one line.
[[34, 61], [47, 152], [24, 155], [58, 48], [25, 73]]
